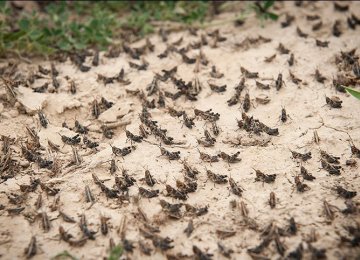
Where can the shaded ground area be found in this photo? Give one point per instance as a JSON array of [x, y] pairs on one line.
[[289, 192]]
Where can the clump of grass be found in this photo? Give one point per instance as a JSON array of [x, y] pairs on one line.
[[263, 12], [116, 253], [70, 26], [353, 92]]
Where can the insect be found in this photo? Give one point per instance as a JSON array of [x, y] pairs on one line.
[[319, 78], [103, 225], [153, 87], [188, 122], [41, 89], [208, 115], [355, 151], [88, 195], [262, 85], [216, 88], [235, 188], [79, 128], [43, 121], [333, 101], [177, 194], [45, 221], [215, 74], [294, 79], [77, 160], [312, 17], [340, 8], [283, 116], [230, 158], [106, 104], [330, 168], [303, 156], [270, 59], [172, 210], [281, 48], [148, 193], [224, 250], [49, 190], [90, 144], [170, 155], [329, 213], [301, 33], [317, 26], [351, 162], [31, 250], [189, 229], [322, 43], [350, 207], [149, 179], [42, 70], [64, 235], [216, 178], [336, 29], [291, 59], [84, 228], [122, 151], [248, 74], [279, 245], [200, 254], [306, 175], [95, 109], [187, 60], [66, 218], [208, 158], [95, 61], [316, 137], [142, 66], [279, 82], [329, 158], [246, 102], [288, 20], [268, 178], [258, 249], [301, 187], [188, 186], [272, 200], [215, 128], [209, 140], [132, 137], [189, 171], [345, 193]]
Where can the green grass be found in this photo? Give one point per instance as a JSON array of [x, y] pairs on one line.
[[116, 253], [70, 26], [353, 92]]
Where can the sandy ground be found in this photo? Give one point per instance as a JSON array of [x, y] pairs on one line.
[[307, 112]]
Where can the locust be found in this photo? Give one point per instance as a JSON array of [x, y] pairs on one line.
[[330, 168], [216, 178], [208, 158], [170, 155], [235, 188], [248, 74], [304, 157], [306, 175], [268, 178], [230, 158], [333, 102], [148, 193], [272, 200]]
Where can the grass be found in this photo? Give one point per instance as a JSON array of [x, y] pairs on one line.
[[353, 92], [116, 253], [71, 26]]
